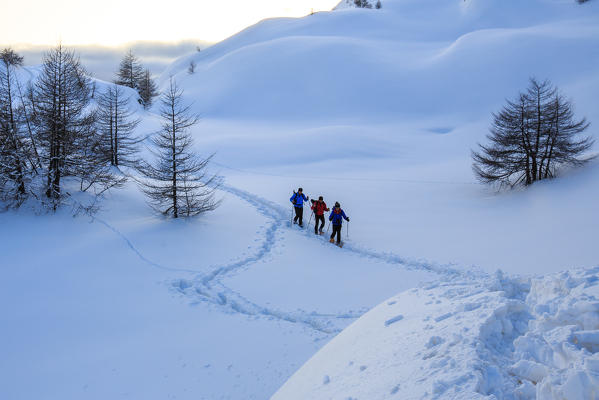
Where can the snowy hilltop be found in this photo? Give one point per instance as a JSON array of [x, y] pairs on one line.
[[444, 288]]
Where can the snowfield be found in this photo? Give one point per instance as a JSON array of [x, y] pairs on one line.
[[379, 110]]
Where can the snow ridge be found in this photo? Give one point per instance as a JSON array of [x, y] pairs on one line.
[[501, 337]]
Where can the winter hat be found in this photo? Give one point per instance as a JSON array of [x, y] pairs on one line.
[[337, 204], [320, 198], [300, 190]]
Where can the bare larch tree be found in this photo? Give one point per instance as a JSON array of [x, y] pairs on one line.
[[147, 89], [531, 138], [65, 127], [116, 126], [130, 71], [15, 157], [177, 184], [362, 4]]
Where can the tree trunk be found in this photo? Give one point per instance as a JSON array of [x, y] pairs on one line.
[[174, 126]]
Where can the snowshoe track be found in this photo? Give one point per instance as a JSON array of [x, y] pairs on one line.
[[207, 287]]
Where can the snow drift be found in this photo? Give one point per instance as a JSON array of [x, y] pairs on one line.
[[405, 60], [500, 338]]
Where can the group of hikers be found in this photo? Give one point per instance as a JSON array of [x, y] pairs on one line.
[[319, 207]]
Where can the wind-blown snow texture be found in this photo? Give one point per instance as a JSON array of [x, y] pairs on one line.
[[466, 339], [377, 109]]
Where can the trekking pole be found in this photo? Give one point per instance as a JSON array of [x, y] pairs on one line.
[[347, 237], [310, 220], [328, 227]]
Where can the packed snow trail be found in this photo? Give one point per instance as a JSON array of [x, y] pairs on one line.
[[277, 212], [208, 286]]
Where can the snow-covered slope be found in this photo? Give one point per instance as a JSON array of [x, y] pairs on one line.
[[498, 338], [405, 60], [377, 109], [387, 105]]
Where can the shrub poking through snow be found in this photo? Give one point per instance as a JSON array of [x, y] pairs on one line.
[[531, 138]]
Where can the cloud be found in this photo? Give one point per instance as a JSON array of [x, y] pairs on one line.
[[103, 61]]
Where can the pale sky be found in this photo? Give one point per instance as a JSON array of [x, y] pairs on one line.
[[114, 22]]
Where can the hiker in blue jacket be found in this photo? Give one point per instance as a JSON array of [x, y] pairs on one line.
[[297, 200], [336, 217]]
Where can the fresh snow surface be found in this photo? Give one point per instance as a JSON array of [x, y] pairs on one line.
[[377, 109], [494, 338]]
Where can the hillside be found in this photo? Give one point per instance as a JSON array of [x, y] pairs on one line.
[[376, 109]]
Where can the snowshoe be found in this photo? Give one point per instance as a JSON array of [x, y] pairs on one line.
[[340, 244]]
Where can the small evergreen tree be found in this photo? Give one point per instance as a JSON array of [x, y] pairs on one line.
[[147, 89], [116, 127], [177, 184]]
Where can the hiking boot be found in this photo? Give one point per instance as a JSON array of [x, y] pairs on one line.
[[332, 240]]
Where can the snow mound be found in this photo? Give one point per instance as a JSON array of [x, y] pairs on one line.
[[403, 60], [505, 338]]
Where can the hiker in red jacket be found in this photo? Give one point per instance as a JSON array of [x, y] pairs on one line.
[[319, 207]]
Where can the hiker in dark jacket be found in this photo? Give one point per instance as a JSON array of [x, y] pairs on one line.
[[297, 200], [319, 207], [336, 217]]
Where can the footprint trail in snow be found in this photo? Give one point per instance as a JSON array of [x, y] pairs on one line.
[[208, 287]]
